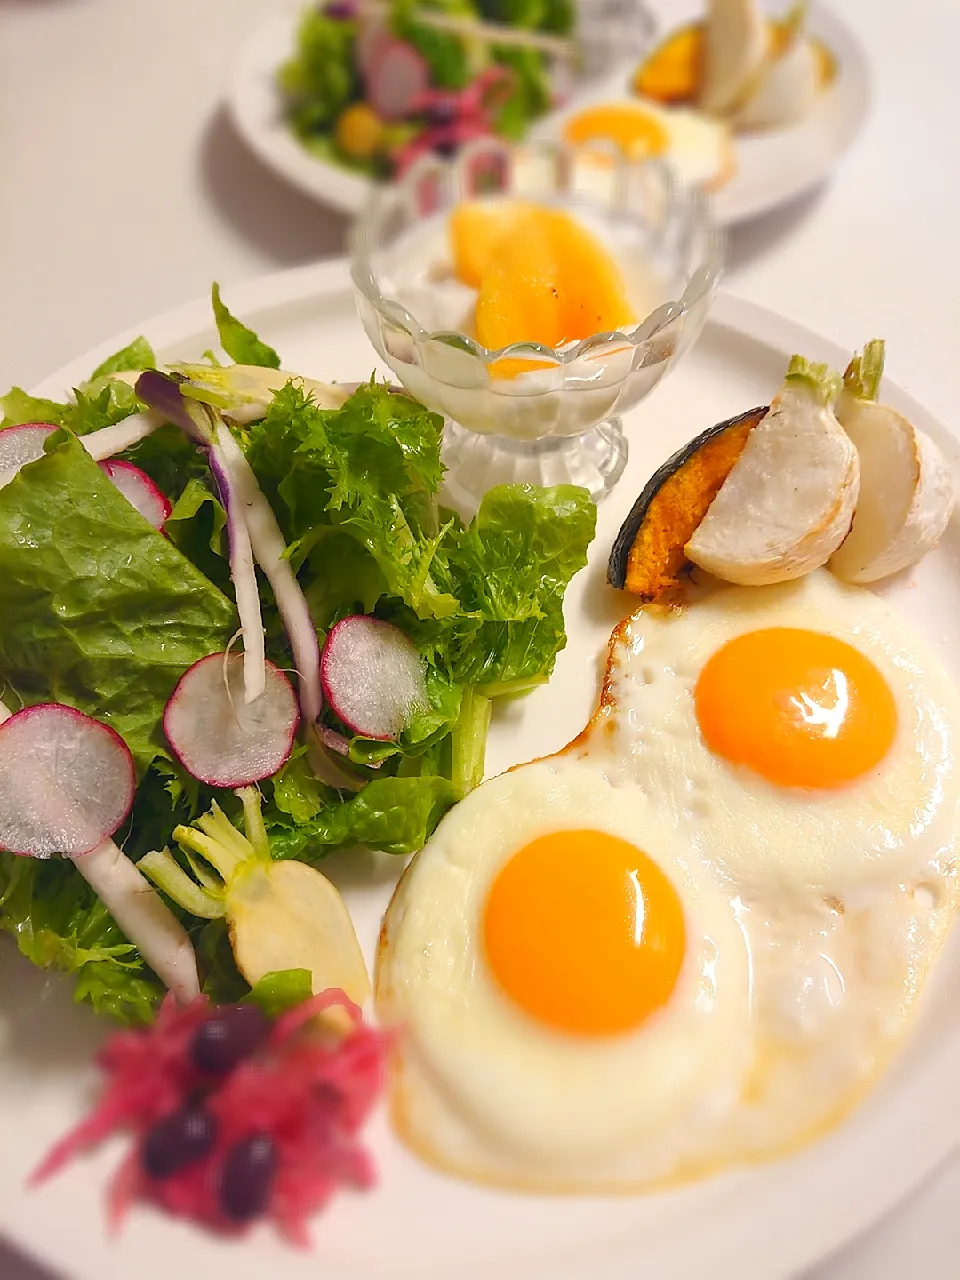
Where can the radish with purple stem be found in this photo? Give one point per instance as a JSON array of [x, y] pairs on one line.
[[67, 783], [244, 578], [222, 740], [140, 491], [197, 421], [373, 677], [202, 423]]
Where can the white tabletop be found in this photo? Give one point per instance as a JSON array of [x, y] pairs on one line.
[[124, 191]]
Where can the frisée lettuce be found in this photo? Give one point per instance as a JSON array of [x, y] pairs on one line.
[[104, 613]]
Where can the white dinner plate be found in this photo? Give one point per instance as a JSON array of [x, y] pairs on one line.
[[759, 1223], [772, 168]]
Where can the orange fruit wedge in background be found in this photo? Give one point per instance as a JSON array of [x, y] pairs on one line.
[[551, 281], [475, 231]]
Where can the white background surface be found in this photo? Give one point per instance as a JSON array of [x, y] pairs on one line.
[[123, 192]]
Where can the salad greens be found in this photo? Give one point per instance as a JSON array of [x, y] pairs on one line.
[[104, 613], [333, 84]]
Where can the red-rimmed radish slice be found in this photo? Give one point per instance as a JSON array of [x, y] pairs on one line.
[[218, 737], [373, 676], [139, 490], [397, 77], [20, 445], [66, 782]]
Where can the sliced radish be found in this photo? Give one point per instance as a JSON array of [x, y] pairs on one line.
[[20, 445], [219, 738], [66, 782], [139, 490], [396, 79], [373, 676]]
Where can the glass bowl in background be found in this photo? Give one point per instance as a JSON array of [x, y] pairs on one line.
[[528, 412]]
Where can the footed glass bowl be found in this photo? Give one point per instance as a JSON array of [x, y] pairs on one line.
[[556, 417]]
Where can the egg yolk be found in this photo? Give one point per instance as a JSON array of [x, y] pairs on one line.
[[800, 708], [634, 131], [585, 933]]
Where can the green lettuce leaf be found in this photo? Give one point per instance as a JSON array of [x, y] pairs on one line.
[[395, 815], [240, 343], [275, 993], [137, 355], [60, 923], [19, 407], [99, 610], [321, 77]]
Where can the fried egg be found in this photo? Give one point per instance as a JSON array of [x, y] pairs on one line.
[[695, 936], [799, 733], [574, 986], [697, 147]]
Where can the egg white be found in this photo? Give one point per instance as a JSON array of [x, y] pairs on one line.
[[489, 1090], [879, 828], [699, 148]]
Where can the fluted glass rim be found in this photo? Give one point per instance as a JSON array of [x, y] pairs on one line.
[[702, 282]]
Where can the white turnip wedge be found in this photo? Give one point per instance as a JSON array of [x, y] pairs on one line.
[[280, 914], [788, 82], [906, 484], [66, 784], [218, 737], [788, 502], [736, 41], [372, 676]]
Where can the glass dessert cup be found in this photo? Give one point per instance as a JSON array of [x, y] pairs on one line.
[[556, 417]]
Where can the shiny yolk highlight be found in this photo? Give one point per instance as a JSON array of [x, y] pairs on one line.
[[634, 131], [585, 933], [800, 708]]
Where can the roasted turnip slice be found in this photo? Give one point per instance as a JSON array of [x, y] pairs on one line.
[[372, 676], [218, 737], [66, 782], [139, 490], [788, 502], [20, 445], [906, 484]]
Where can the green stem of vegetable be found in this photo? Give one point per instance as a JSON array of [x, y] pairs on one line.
[[218, 855], [469, 741], [819, 380], [253, 822], [864, 372], [167, 874]]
